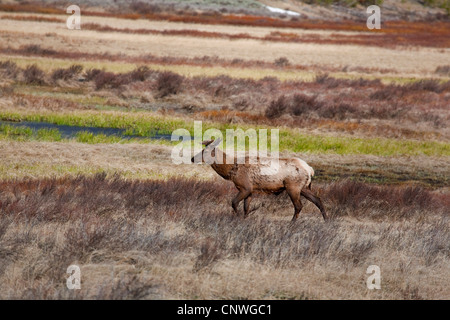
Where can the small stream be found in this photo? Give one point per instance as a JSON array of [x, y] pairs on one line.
[[68, 132]]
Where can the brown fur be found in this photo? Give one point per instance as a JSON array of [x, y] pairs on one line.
[[293, 175]]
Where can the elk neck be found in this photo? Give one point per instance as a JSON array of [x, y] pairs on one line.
[[224, 169]]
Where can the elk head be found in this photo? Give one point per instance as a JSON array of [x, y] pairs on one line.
[[208, 154]]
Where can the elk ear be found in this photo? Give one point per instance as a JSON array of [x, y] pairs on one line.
[[216, 143], [213, 146], [207, 142]]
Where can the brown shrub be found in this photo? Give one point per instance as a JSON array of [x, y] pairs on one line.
[[168, 83], [144, 8], [330, 82], [431, 85], [225, 86], [104, 79], [34, 75], [437, 120], [94, 194], [383, 111], [9, 69], [282, 62], [36, 49], [66, 74], [337, 111], [277, 107], [90, 74], [392, 91], [303, 104], [140, 73], [388, 93], [355, 198], [443, 70]]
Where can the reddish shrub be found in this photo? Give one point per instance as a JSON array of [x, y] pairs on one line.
[[277, 107], [432, 85], [144, 8], [302, 104], [330, 82], [33, 18], [168, 83], [336, 111], [388, 93], [140, 74], [384, 111], [391, 91], [399, 201], [105, 79]]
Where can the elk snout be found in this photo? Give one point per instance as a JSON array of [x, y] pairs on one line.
[[198, 158]]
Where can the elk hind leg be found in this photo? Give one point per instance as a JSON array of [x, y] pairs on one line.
[[316, 200]]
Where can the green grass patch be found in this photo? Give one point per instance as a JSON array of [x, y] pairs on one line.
[[294, 141], [145, 124], [8, 132], [135, 123], [20, 133], [350, 145], [89, 137], [15, 133], [48, 135], [26, 134]]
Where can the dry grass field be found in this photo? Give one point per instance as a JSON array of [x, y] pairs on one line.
[[368, 110], [177, 239], [406, 61]]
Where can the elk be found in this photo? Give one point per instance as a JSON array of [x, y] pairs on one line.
[[293, 175]]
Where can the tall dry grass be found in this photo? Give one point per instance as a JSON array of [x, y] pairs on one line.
[[178, 239]]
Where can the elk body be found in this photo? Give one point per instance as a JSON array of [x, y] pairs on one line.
[[293, 175]]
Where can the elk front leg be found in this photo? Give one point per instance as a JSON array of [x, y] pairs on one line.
[[243, 194], [247, 204]]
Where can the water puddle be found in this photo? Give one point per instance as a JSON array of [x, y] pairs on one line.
[[68, 132]]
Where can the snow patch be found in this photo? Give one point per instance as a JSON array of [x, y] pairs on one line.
[[278, 10]]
